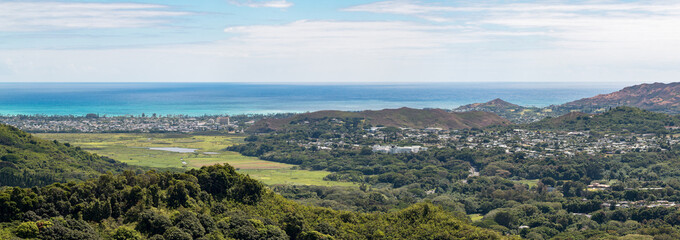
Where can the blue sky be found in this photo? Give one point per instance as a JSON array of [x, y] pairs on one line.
[[349, 41]]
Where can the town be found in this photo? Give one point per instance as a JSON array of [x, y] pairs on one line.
[[93, 123], [530, 143]]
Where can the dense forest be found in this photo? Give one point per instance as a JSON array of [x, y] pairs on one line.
[[211, 203], [28, 161]]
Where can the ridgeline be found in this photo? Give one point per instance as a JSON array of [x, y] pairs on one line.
[[657, 97], [402, 117]]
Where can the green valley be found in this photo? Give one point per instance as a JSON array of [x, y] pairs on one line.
[[611, 175], [135, 149]]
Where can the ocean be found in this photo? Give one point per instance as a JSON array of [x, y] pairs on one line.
[[197, 99]]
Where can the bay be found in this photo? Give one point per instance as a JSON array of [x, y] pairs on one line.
[[197, 99]]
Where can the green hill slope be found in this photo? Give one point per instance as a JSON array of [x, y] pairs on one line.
[[211, 203], [512, 112], [620, 119], [27, 161]]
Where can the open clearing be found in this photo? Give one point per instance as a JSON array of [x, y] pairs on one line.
[[475, 217], [530, 182], [293, 177], [134, 149]]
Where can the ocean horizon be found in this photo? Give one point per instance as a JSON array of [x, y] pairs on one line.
[[196, 99]]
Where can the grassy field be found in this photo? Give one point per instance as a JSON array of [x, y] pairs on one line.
[[293, 177], [530, 182], [475, 217], [133, 149]]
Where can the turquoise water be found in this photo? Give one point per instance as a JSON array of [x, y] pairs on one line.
[[233, 98]]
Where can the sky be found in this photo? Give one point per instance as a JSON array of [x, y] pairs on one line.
[[343, 41]]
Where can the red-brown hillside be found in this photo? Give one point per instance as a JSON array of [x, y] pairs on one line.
[[402, 117], [654, 97]]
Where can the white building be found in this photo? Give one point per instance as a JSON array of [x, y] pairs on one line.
[[395, 149]]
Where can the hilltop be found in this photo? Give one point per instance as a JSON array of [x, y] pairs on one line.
[[26, 160], [510, 111], [657, 97], [402, 117], [496, 103]]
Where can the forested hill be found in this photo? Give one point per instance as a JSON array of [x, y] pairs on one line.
[[658, 97], [402, 117], [512, 112], [211, 203], [619, 119], [493, 104], [26, 160]]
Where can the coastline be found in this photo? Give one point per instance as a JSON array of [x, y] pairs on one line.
[[198, 99]]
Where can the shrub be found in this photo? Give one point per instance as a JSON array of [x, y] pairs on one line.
[[27, 230], [126, 233]]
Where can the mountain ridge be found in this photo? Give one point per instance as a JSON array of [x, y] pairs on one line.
[[655, 97], [658, 97], [401, 117]]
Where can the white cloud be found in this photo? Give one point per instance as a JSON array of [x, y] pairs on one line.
[[342, 37], [4, 69], [560, 41], [39, 16], [301, 51], [405, 7], [634, 29], [399, 7], [258, 4], [410, 7], [186, 64]]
